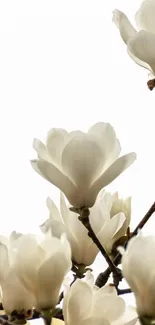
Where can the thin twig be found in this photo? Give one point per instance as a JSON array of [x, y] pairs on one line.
[[118, 256]]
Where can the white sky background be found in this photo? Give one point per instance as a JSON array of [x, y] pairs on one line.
[[63, 64]]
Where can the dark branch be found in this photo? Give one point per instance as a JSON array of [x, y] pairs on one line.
[[123, 291], [117, 259]]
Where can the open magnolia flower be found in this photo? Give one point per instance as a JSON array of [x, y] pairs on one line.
[[83, 249], [15, 297], [141, 44], [42, 264], [138, 264], [81, 164], [110, 218], [97, 306]]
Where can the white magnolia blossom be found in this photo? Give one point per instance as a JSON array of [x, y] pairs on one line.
[[83, 249], [15, 297], [42, 264], [86, 304], [110, 218], [140, 42], [138, 263], [81, 164]]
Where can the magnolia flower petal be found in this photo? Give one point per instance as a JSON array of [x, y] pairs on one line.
[[54, 176], [56, 141], [4, 262], [76, 309], [49, 280], [95, 320], [110, 174], [41, 150], [54, 212], [15, 296], [83, 160], [107, 136], [127, 31], [145, 16], [102, 306], [142, 47]]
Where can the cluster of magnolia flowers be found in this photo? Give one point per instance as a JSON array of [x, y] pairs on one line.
[[34, 270]]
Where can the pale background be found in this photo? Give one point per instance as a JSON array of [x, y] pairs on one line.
[[63, 64]]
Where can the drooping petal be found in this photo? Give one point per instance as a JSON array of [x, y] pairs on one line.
[[109, 175], [55, 176], [127, 31], [83, 160], [142, 49], [145, 16]]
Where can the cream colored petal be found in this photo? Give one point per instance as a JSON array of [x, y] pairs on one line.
[[49, 280], [83, 160], [109, 175], [15, 296], [108, 234], [109, 306], [41, 150], [55, 176], [54, 212], [145, 16], [107, 139], [56, 141], [142, 49], [27, 264], [127, 31], [79, 309], [4, 262]]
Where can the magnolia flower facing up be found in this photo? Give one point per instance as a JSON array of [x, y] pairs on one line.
[[42, 264], [14, 295], [81, 164], [110, 218], [141, 44], [138, 264], [84, 251], [97, 306]]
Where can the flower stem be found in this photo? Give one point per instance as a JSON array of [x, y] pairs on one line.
[[117, 259], [84, 218]]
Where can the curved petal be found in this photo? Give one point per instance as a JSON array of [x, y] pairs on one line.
[[102, 306], [41, 150], [49, 280], [127, 31], [109, 175], [54, 212], [107, 137], [142, 49], [79, 308], [4, 262], [55, 176], [83, 160], [22, 300], [56, 141], [145, 16]]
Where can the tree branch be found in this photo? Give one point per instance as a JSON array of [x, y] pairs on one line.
[[117, 259], [84, 218]]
